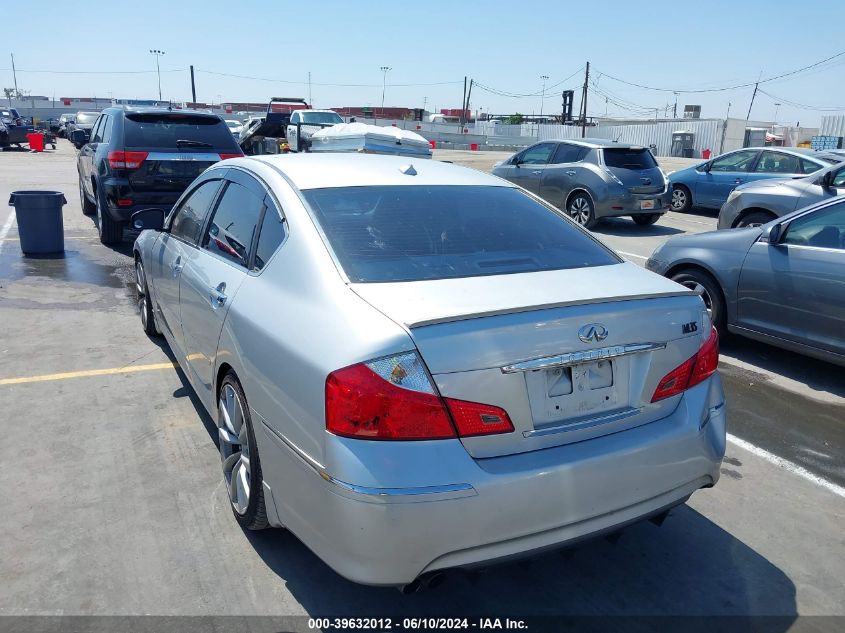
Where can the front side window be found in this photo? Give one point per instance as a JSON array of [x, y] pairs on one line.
[[839, 178], [778, 163], [189, 216], [418, 232], [824, 228], [737, 161], [233, 224], [537, 155]]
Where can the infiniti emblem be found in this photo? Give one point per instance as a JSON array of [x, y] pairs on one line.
[[592, 332]]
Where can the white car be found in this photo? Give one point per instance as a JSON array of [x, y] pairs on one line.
[[303, 124], [234, 126]]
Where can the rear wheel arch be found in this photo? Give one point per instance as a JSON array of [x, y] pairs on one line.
[[224, 369], [575, 192]]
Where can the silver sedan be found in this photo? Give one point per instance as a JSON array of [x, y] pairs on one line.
[[419, 366]]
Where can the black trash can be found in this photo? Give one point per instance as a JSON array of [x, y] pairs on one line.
[[40, 225]]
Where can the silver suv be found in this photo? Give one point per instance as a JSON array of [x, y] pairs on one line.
[[756, 203], [591, 179]]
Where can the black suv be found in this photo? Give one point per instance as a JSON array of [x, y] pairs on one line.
[[139, 158]]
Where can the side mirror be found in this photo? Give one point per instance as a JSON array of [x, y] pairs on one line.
[[773, 233], [152, 219], [516, 161], [78, 138], [706, 166], [826, 180]]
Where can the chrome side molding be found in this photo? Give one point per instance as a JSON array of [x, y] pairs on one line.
[[577, 358]]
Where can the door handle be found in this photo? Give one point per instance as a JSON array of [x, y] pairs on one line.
[[537, 172], [218, 295], [738, 181], [570, 173], [176, 266]]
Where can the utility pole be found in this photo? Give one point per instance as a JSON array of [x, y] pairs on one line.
[[543, 98], [584, 102], [425, 100], [777, 107], [193, 85], [754, 94], [463, 101], [157, 53], [728, 113], [675, 109], [310, 103], [15, 75], [465, 112], [384, 70]]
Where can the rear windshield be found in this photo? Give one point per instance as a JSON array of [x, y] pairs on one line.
[[321, 117], [412, 233], [164, 129], [629, 158], [84, 118]]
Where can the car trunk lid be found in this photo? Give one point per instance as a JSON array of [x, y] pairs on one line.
[[570, 354]]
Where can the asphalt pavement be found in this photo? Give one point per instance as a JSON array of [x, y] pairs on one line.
[[113, 502]]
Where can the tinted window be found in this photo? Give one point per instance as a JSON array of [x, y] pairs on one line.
[[164, 129], [628, 158], [567, 153], [231, 228], [737, 161], [778, 163], [190, 215], [97, 130], [107, 126], [409, 233], [824, 228], [321, 117], [272, 234], [839, 178], [537, 155]]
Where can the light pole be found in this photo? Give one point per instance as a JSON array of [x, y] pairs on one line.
[[157, 53], [543, 98], [384, 70]]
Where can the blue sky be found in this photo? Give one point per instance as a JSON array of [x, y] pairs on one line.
[[503, 45]]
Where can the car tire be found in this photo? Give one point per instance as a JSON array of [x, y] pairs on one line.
[[110, 230], [711, 293], [145, 304], [681, 199], [645, 219], [580, 208], [755, 218], [239, 456], [88, 207]]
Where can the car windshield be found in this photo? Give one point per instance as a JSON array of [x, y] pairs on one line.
[[629, 158], [164, 129], [84, 118], [412, 233], [321, 117]]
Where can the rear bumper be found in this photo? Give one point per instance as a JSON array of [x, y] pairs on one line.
[[390, 511], [631, 204], [119, 189]]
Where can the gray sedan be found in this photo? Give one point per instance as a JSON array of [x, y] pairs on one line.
[[591, 179], [419, 366], [757, 203], [782, 283]]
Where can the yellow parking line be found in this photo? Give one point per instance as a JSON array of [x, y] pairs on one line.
[[129, 369]]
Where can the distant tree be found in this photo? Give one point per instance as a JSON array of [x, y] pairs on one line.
[[514, 119]]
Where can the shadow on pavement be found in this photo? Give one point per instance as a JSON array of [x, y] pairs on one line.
[[626, 226], [689, 566]]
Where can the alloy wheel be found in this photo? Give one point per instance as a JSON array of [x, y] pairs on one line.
[[679, 199], [141, 289], [579, 210], [234, 447]]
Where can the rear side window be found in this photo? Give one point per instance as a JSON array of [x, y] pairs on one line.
[[628, 158], [233, 225], [411, 233], [808, 167], [567, 153], [271, 236], [163, 130]]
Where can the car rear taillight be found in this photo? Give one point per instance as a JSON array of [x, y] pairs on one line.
[[225, 156], [691, 372], [126, 160], [393, 398]]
